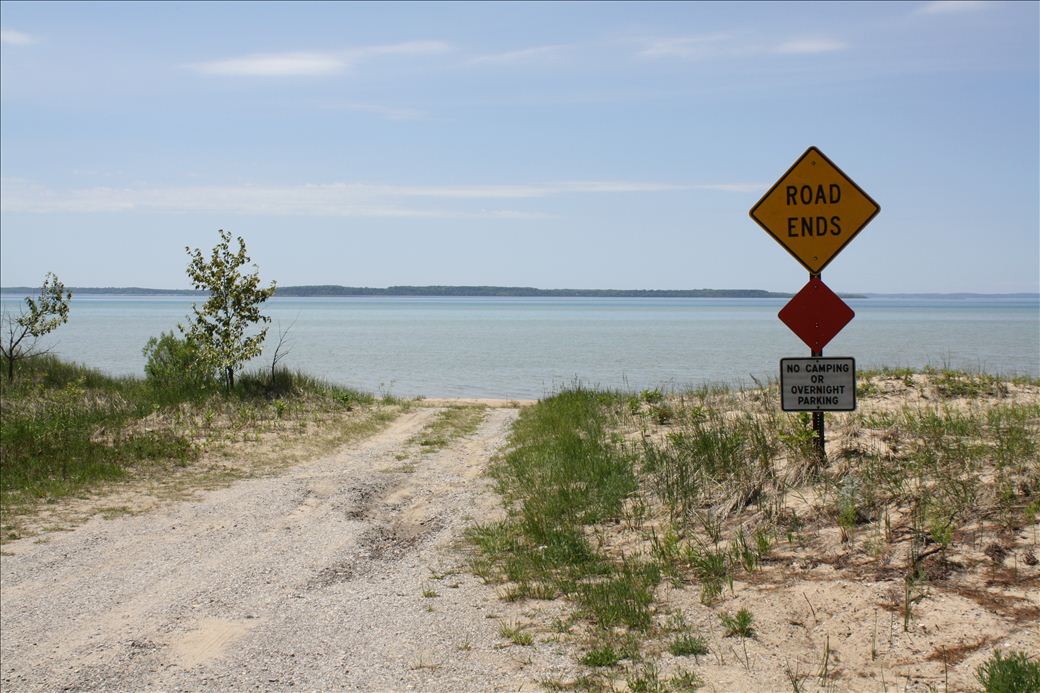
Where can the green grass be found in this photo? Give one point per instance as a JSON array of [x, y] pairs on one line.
[[741, 623], [516, 635], [623, 598], [564, 471], [1014, 673], [449, 425], [647, 679], [703, 494], [708, 455], [937, 470], [713, 569], [605, 656], [561, 473], [687, 645], [67, 429]]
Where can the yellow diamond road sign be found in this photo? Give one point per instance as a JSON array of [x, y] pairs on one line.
[[814, 210]]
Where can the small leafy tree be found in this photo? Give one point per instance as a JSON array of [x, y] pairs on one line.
[[40, 316], [220, 326]]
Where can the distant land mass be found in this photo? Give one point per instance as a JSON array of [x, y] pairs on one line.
[[963, 294], [522, 292], [320, 290], [463, 291]]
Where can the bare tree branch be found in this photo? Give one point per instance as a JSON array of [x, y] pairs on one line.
[[283, 347]]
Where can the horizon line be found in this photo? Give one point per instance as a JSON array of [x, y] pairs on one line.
[[492, 287]]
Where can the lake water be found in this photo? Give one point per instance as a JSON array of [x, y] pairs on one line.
[[527, 347]]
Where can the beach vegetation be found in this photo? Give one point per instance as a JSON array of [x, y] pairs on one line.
[[41, 315], [516, 634], [224, 329], [622, 517], [68, 430], [1015, 672], [174, 365], [741, 623], [687, 645], [450, 424]]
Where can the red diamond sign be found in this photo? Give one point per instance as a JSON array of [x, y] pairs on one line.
[[816, 314]]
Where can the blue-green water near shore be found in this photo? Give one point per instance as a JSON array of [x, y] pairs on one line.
[[528, 347]]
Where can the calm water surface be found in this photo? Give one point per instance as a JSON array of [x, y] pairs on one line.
[[527, 347]]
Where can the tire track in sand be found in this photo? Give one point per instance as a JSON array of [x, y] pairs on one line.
[[311, 579]]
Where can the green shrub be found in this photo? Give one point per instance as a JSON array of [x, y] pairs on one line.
[[741, 623], [1016, 673], [688, 645], [605, 656], [175, 364]]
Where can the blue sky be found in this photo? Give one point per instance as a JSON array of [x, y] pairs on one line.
[[552, 145]]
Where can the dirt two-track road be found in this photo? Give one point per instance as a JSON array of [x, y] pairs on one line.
[[342, 573]]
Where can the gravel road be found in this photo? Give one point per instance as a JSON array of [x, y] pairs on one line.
[[342, 573]]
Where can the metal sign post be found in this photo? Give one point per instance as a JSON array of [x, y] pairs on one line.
[[818, 426]]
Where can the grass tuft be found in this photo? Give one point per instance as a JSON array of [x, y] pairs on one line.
[[740, 623], [688, 646], [1014, 673]]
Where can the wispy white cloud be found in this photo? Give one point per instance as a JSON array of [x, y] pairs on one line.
[[312, 63], [275, 65], [528, 191], [810, 46], [406, 48], [329, 199], [952, 6], [525, 56], [692, 47], [732, 45], [388, 112], [10, 37]]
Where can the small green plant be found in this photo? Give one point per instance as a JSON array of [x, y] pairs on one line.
[[516, 635], [744, 552], [688, 646], [848, 507], [741, 623], [654, 396], [605, 656], [711, 523], [1014, 673], [667, 551], [798, 436], [763, 541], [682, 681], [662, 413], [865, 389], [713, 570], [646, 679]]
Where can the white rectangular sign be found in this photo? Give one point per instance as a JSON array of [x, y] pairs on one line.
[[818, 384]]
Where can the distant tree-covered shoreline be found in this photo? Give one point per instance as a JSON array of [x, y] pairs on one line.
[[462, 291]]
